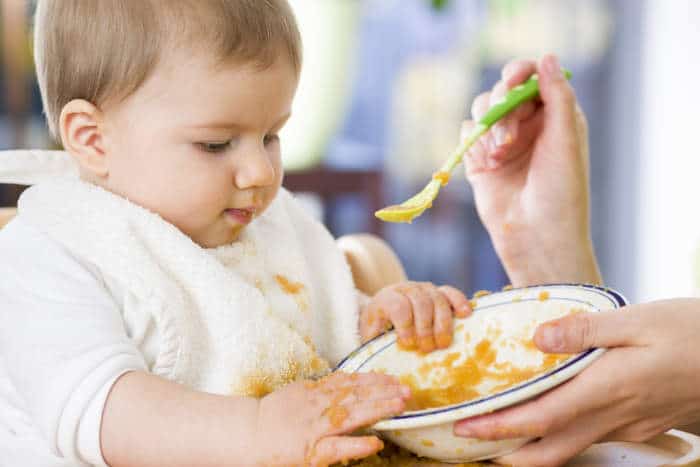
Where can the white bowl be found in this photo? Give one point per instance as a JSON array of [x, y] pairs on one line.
[[506, 321]]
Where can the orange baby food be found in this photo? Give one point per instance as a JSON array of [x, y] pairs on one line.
[[451, 381], [288, 286], [443, 177]]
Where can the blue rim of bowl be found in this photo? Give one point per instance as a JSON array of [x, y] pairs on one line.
[[617, 298]]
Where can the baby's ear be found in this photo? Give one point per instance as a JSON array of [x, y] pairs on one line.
[[81, 135]]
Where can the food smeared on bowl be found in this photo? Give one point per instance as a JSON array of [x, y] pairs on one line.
[[454, 379]]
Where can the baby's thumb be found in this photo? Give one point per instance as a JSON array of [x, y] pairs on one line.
[[582, 331], [557, 95]]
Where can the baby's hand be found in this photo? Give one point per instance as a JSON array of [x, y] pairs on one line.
[[421, 313], [307, 423]]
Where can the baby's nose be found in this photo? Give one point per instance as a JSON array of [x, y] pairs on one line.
[[257, 170]]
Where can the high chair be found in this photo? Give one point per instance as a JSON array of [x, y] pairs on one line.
[[6, 214]]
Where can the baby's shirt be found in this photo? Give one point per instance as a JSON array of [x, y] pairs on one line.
[[92, 286], [62, 344]]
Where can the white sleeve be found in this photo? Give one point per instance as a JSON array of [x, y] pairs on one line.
[[63, 340]]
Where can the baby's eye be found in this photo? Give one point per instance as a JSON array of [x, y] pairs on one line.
[[270, 139], [214, 147]]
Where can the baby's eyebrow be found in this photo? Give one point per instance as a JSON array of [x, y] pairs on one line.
[[216, 126], [228, 125]]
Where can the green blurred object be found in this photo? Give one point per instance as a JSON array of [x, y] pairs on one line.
[[439, 4]]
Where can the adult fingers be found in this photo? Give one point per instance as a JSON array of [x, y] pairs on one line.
[[480, 105], [475, 158], [486, 142], [499, 132], [558, 447], [517, 71], [558, 96], [506, 131], [581, 331], [586, 393], [334, 449]]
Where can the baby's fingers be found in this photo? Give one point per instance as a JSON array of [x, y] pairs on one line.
[[345, 418], [339, 380], [334, 449], [458, 301], [442, 321], [399, 308], [373, 322], [423, 316]]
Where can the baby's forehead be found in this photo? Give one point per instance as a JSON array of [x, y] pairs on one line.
[[194, 92]]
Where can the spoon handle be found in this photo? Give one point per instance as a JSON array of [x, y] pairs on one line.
[[516, 96]]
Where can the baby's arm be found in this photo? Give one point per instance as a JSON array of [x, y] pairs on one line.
[[151, 421]]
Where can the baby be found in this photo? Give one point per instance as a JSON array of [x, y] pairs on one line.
[[165, 307]]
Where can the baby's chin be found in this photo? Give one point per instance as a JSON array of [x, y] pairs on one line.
[[217, 237]]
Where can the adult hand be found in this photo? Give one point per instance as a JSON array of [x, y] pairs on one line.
[[529, 174], [645, 384]]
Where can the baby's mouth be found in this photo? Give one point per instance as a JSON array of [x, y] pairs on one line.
[[240, 215]]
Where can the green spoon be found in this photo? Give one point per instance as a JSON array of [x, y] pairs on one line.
[[415, 206]]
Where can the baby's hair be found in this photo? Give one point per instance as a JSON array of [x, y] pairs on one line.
[[103, 50]]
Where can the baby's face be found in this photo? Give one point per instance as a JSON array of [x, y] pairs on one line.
[[198, 144]]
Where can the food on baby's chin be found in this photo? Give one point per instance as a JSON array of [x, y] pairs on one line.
[[452, 379]]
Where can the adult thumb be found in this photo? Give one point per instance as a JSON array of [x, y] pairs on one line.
[[557, 95], [582, 331]]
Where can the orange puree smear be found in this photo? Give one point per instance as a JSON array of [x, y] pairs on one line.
[[543, 296], [336, 415], [288, 286], [481, 293], [443, 177], [452, 382]]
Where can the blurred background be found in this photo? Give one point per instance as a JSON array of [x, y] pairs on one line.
[[386, 84]]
